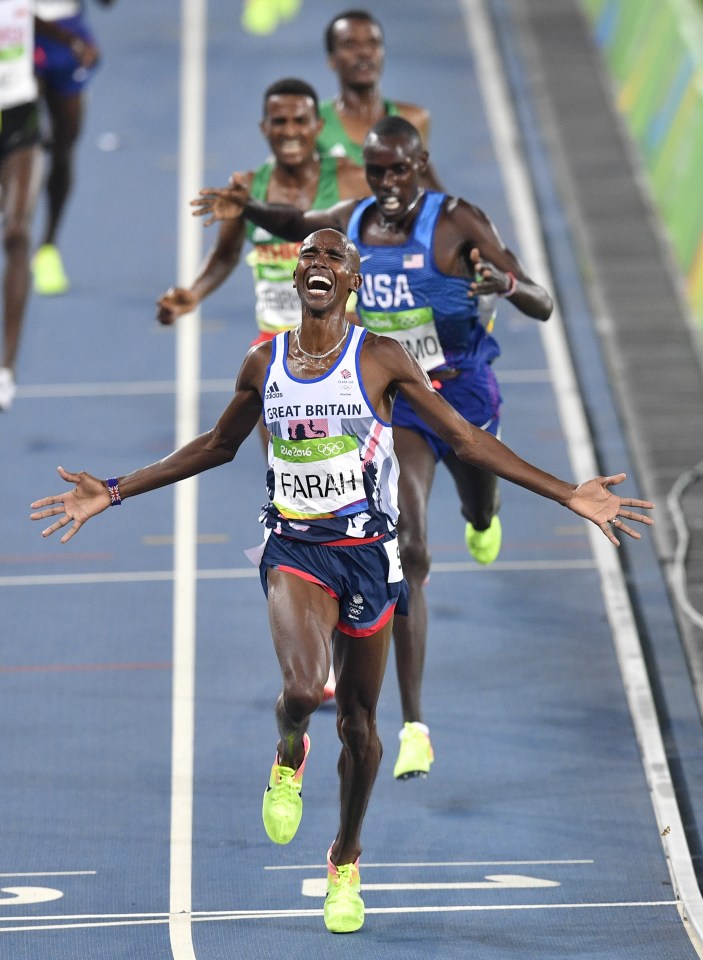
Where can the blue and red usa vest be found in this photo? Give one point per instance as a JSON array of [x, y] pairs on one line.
[[404, 295]]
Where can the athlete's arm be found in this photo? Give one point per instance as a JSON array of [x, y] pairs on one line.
[[283, 220], [90, 496], [419, 117], [390, 366], [220, 261], [467, 243], [351, 180]]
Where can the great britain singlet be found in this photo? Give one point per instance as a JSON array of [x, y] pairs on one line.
[[334, 141], [332, 471], [405, 296], [273, 260]]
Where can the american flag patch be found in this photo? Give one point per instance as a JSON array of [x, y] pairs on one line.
[[413, 261]]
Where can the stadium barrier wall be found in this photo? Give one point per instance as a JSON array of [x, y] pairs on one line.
[[654, 49]]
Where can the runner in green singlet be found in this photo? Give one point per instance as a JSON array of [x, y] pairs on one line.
[[355, 52], [296, 175]]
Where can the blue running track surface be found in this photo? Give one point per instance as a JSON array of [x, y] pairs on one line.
[[533, 837]]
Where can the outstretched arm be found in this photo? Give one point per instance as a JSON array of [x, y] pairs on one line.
[[592, 500], [219, 263], [90, 496], [282, 220]]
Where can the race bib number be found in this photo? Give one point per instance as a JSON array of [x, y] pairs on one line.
[[318, 478], [277, 303], [277, 306], [414, 329], [395, 568]]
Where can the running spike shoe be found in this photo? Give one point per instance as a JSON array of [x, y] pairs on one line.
[[282, 808], [484, 545], [344, 908], [415, 754], [49, 276]]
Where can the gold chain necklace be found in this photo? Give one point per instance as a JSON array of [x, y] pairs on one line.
[[321, 356]]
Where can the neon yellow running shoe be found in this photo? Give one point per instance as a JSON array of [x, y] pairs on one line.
[[484, 545], [49, 276], [344, 908], [260, 16], [416, 753], [282, 808]]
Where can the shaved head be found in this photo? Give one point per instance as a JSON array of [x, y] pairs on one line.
[[323, 237], [395, 128]]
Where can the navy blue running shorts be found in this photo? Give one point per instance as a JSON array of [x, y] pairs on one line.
[[356, 576]]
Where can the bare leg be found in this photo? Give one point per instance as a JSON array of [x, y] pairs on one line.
[[417, 472], [302, 617], [66, 115], [478, 491], [20, 180], [360, 663]]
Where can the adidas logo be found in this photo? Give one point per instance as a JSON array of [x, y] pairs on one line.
[[272, 391]]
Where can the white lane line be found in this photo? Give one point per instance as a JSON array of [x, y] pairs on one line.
[[192, 135], [317, 886], [53, 873], [246, 573], [136, 388], [440, 863], [122, 920], [518, 188], [144, 388]]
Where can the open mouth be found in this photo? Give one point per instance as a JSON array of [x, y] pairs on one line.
[[316, 283], [290, 147], [389, 204]]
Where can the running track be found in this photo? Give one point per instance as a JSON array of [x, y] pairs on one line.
[[137, 673]]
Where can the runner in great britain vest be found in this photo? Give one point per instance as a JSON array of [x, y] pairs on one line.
[[332, 472]]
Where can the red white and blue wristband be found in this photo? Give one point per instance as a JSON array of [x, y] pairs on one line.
[[114, 488]]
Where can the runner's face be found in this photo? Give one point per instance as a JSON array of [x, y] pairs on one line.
[[357, 56], [326, 271], [291, 128], [393, 171]]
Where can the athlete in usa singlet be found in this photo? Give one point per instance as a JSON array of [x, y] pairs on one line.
[[405, 296]]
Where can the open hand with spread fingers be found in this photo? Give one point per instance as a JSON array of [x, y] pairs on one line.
[[594, 501], [221, 203], [88, 498]]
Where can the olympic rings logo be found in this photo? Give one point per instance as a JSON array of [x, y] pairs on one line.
[[330, 449]]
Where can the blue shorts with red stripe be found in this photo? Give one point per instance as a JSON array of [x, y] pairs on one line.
[[356, 576]]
